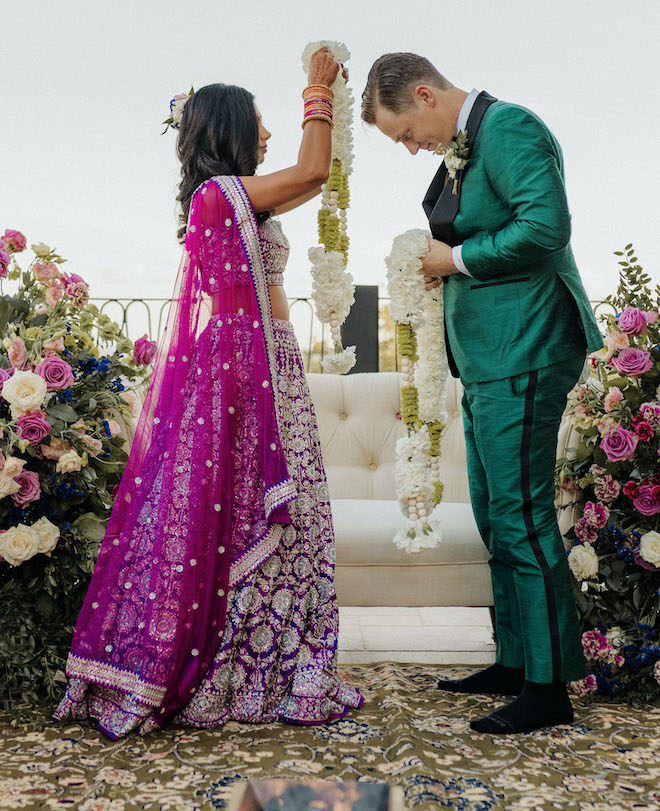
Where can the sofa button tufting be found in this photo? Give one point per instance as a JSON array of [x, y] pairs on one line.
[[342, 415], [373, 466]]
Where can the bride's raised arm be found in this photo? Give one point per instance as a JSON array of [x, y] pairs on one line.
[[303, 180]]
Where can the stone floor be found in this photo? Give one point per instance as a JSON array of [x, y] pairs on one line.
[[428, 635]]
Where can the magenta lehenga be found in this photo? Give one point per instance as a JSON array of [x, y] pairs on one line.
[[213, 596]]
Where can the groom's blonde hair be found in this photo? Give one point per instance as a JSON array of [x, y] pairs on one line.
[[391, 82]]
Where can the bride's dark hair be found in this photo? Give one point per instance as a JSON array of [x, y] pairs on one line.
[[218, 135]]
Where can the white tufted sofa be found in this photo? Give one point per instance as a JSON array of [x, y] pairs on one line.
[[359, 427]]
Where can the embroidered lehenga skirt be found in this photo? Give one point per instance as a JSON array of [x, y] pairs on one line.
[[278, 654]]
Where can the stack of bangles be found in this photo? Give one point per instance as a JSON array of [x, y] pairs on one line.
[[318, 103]]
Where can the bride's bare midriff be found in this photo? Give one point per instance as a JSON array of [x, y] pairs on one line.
[[278, 302]]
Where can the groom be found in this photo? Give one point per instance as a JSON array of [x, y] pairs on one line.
[[518, 325]]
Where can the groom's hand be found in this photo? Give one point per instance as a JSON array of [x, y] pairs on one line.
[[437, 263]]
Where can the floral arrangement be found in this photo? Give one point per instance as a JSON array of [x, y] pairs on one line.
[[611, 481], [456, 157], [176, 110], [419, 320], [61, 457], [332, 286]]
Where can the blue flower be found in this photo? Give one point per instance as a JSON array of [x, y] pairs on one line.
[[106, 428]]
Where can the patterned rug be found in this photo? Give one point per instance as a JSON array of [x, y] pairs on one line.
[[407, 733]]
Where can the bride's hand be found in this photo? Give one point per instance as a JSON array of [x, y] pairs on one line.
[[323, 68]]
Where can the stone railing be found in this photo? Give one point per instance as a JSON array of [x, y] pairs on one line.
[[140, 316]]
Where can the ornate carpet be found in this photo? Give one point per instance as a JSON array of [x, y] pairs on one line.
[[407, 733]]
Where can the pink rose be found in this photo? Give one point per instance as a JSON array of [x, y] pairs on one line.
[[646, 502], [144, 351], [619, 444], [72, 278], [33, 426], [58, 447], [651, 316], [54, 292], [14, 240], [17, 353], [45, 271], [606, 489], [79, 292], [54, 344], [632, 321], [633, 362], [5, 261], [30, 488], [56, 372], [613, 398]]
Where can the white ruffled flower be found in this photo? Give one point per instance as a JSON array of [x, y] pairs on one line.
[[583, 561], [332, 286], [453, 163], [339, 363], [412, 470], [405, 284], [427, 539], [19, 543]]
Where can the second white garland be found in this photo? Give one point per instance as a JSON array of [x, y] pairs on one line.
[[419, 319]]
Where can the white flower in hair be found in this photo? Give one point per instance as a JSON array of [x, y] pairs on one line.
[[177, 105]]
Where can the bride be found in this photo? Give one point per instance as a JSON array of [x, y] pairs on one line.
[[213, 595]]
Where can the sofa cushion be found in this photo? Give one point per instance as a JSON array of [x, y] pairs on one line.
[[365, 530], [370, 570]]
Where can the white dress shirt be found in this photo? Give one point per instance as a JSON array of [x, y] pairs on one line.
[[461, 124]]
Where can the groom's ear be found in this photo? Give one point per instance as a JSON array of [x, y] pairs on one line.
[[424, 95]]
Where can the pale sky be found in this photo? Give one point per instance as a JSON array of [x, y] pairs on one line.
[[85, 85]]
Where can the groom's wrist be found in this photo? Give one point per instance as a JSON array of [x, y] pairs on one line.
[[457, 258]]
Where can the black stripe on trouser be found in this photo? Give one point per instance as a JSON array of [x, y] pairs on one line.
[[532, 534]]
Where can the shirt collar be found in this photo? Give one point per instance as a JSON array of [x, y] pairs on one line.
[[466, 109]]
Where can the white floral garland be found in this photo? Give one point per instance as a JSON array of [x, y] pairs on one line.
[[332, 286], [420, 326]]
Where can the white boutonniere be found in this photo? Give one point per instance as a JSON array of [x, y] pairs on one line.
[[456, 157]]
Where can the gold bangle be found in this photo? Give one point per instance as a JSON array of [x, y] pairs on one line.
[[316, 117], [321, 87]]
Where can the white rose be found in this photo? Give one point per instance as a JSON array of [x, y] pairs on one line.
[[583, 561], [24, 391], [13, 466], [48, 535], [649, 548], [8, 486], [18, 544], [69, 462], [41, 249]]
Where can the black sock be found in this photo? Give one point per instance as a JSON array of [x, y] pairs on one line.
[[496, 679], [537, 706]]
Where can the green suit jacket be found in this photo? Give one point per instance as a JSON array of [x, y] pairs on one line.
[[525, 306]]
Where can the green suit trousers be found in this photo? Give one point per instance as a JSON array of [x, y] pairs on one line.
[[511, 428]]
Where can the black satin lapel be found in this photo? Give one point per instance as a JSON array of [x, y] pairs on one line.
[[440, 205]]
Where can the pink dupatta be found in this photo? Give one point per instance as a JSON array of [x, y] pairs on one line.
[[202, 502]]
